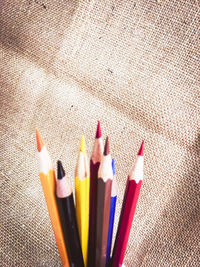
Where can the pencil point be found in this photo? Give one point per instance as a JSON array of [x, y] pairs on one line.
[[82, 145], [113, 166], [141, 151], [106, 148], [60, 170], [98, 132], [40, 142]]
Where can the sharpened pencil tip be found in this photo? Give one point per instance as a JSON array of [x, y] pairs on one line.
[[60, 170], [82, 145], [98, 132], [113, 166], [40, 142], [106, 148], [141, 150]]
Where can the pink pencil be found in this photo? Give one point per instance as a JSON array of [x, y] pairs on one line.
[[131, 195]]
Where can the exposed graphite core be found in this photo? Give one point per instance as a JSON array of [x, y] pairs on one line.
[[141, 150], [40, 142], [98, 132], [60, 171], [82, 145], [113, 166], [106, 148]]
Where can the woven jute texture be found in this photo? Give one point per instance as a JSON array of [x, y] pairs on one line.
[[135, 66]]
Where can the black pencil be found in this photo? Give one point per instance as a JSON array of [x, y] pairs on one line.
[[68, 218]]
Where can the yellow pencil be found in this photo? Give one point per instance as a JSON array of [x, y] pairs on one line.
[[47, 178], [82, 197]]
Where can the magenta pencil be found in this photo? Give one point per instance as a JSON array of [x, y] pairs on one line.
[[94, 167]]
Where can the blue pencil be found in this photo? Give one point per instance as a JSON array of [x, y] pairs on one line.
[[112, 213]]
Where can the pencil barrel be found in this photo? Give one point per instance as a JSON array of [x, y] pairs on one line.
[[48, 185], [102, 223], [125, 223], [70, 230], [110, 229], [82, 212], [92, 213]]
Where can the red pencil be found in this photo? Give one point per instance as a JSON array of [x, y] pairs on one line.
[[131, 195]]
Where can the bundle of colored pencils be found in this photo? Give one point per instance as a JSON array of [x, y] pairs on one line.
[[83, 232]]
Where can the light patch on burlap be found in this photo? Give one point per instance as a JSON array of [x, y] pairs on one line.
[[134, 66]]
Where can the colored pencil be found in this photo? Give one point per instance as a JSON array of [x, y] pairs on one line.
[[68, 218], [112, 213], [94, 167], [104, 187], [82, 197], [48, 181], [131, 195]]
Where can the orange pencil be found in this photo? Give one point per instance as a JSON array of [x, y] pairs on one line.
[[48, 181]]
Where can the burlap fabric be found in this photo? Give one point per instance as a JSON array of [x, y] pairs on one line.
[[131, 64]]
